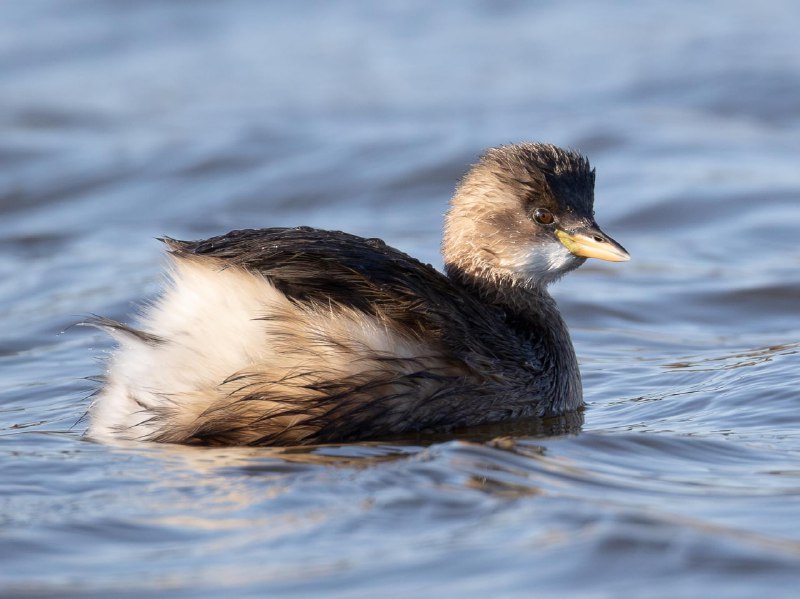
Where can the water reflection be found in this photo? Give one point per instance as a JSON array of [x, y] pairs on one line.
[[734, 360]]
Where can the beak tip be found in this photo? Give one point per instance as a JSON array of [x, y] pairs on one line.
[[619, 254]]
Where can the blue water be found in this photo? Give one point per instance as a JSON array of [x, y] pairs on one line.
[[124, 121]]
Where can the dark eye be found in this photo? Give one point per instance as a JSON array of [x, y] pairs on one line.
[[543, 216]]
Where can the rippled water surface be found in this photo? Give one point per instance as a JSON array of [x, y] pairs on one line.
[[123, 121]]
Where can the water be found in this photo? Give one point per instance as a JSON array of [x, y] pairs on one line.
[[123, 121]]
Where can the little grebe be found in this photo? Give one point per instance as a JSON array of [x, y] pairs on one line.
[[300, 336]]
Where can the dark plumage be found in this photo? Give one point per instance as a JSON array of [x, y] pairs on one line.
[[322, 336]]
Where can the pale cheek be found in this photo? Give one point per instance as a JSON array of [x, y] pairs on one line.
[[541, 261]]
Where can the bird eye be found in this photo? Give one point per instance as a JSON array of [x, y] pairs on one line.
[[543, 216]]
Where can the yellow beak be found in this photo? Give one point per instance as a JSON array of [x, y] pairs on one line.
[[591, 242]]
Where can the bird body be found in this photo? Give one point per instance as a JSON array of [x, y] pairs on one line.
[[299, 335]]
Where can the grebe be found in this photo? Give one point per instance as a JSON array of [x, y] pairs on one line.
[[291, 336]]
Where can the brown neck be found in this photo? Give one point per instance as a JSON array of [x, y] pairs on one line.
[[532, 313], [522, 303]]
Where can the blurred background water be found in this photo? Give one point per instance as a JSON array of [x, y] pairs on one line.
[[121, 121]]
